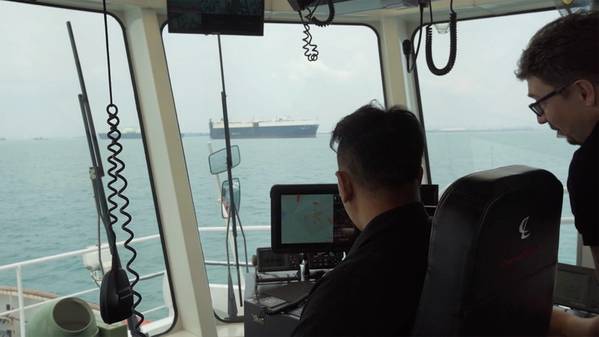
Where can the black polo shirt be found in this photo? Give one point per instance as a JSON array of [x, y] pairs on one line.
[[376, 289], [583, 187]]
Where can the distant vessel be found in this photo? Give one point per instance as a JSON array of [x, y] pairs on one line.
[[280, 128], [126, 133], [132, 133], [2, 138]]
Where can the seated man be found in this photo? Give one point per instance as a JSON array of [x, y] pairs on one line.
[[376, 289]]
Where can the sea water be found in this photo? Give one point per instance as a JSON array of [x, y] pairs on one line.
[[47, 204]]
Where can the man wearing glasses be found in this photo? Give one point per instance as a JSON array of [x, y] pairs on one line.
[[561, 66]]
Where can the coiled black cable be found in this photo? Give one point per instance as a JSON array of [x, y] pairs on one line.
[[118, 183], [452, 43], [115, 171], [310, 49]]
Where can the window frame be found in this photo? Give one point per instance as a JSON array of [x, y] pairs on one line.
[[143, 139]]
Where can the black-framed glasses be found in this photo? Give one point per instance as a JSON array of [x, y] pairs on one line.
[[536, 105], [334, 145]]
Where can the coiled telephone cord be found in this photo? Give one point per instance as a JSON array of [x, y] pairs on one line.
[[118, 183]]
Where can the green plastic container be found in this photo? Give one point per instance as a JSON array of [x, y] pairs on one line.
[[69, 317]]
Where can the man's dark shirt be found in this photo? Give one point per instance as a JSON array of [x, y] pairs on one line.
[[583, 187], [376, 289]]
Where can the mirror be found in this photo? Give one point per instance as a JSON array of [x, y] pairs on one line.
[[218, 160], [225, 197]]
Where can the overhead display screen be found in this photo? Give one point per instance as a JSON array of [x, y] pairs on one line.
[[230, 17]]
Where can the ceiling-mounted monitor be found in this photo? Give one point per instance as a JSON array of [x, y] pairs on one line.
[[227, 17]]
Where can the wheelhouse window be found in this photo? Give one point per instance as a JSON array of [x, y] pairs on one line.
[[270, 85], [50, 225], [477, 116]]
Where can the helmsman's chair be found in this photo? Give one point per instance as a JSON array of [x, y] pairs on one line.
[[493, 255]]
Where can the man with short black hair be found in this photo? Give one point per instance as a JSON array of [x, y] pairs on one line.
[[561, 66], [376, 289]]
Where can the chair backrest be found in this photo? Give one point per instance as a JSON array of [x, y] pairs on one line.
[[493, 255]]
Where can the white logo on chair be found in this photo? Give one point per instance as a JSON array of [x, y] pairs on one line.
[[524, 233]]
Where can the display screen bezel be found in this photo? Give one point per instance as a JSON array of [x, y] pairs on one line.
[[276, 193]]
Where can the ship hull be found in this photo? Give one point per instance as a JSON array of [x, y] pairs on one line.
[[287, 131], [129, 135]]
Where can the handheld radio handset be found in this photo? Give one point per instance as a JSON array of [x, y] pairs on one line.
[[116, 294]]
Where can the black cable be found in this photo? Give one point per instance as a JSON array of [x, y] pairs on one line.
[[107, 52], [100, 246], [452, 43], [329, 19], [230, 292], [411, 52], [430, 12], [99, 213], [245, 246], [310, 49], [227, 247], [419, 33], [115, 173], [236, 319]]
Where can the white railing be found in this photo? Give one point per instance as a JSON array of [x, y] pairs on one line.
[[18, 266]]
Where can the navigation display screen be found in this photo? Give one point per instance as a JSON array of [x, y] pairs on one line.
[[313, 218], [308, 218]]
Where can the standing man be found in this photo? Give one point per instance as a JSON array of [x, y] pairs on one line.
[[376, 289], [561, 66]]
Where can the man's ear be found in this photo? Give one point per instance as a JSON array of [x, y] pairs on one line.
[[346, 188], [588, 92]]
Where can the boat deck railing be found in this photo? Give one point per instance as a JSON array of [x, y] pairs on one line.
[[18, 267]]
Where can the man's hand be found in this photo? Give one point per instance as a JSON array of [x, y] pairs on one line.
[[567, 325], [595, 327], [595, 253]]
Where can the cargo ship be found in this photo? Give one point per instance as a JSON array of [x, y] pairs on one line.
[[126, 133], [280, 128]]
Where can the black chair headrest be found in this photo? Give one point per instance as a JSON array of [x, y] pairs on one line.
[[493, 253]]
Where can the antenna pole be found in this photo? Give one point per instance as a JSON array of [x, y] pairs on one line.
[[232, 207]]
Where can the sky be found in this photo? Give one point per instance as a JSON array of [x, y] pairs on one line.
[[481, 91], [266, 77]]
